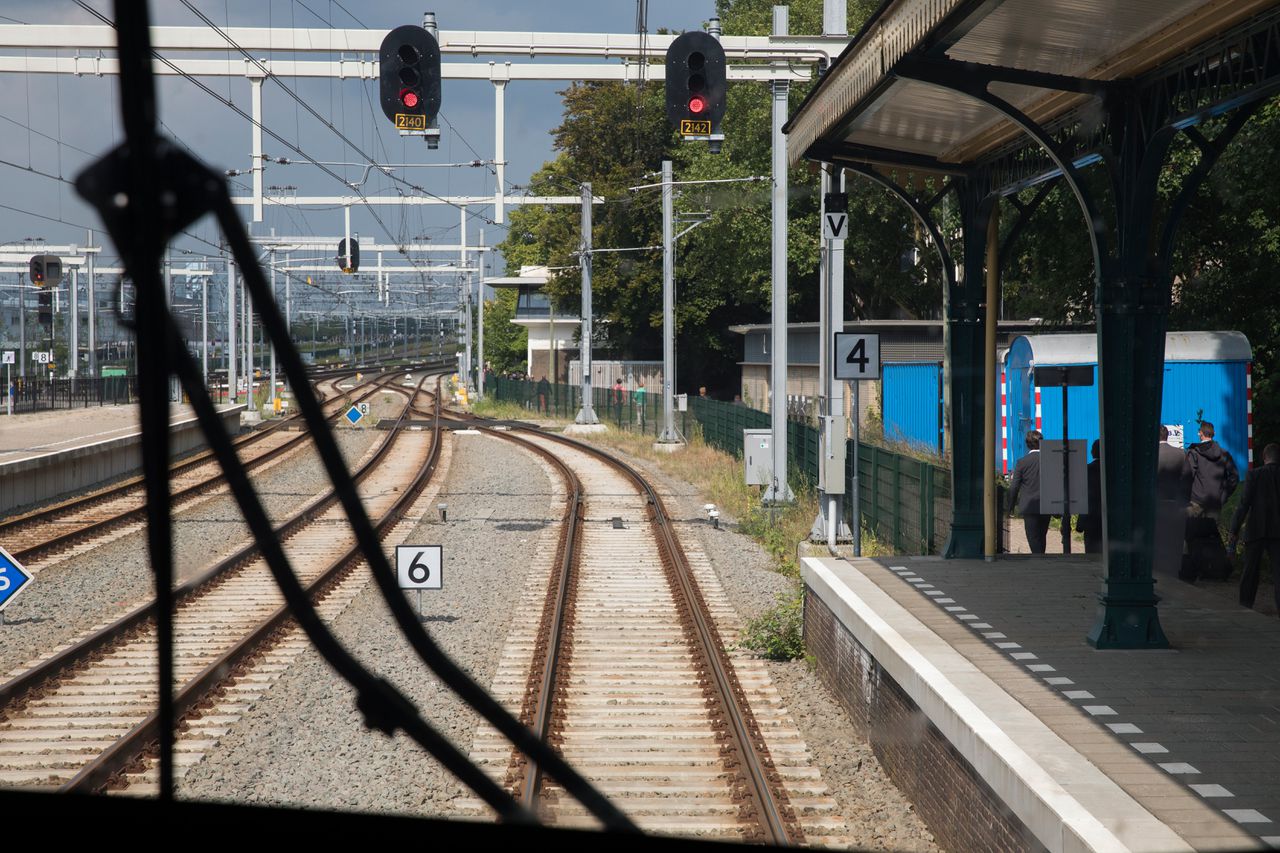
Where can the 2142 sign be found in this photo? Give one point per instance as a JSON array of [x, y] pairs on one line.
[[695, 127], [406, 121]]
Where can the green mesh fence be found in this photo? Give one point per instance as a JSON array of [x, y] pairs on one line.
[[905, 502]]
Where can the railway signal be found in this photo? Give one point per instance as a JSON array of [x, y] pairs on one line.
[[409, 62], [697, 87], [45, 270], [348, 256]]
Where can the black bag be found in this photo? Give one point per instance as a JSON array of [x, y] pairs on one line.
[[1206, 556]]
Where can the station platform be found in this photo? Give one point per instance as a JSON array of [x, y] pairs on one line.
[[977, 689], [51, 453]]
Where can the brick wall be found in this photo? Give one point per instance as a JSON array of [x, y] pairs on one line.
[[959, 807]]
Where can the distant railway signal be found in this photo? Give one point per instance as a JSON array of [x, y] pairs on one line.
[[697, 87], [45, 270], [410, 82], [348, 256]]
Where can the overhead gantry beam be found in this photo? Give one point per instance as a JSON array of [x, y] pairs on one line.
[[473, 43]]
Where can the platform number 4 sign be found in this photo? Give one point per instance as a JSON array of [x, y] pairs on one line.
[[419, 566], [856, 356]]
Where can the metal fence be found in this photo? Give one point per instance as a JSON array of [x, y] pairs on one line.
[[906, 502], [32, 394]]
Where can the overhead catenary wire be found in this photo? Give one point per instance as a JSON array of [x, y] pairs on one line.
[[226, 101]]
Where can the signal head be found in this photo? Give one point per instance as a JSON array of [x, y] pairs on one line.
[[409, 71], [696, 84]]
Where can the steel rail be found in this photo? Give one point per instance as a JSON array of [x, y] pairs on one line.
[[540, 690], [124, 752], [777, 819], [34, 681], [190, 462], [117, 490], [101, 526]]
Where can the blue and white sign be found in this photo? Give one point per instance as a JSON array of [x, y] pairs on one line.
[[13, 578], [354, 415]]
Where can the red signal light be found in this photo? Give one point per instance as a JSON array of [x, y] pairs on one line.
[[409, 98], [697, 105]]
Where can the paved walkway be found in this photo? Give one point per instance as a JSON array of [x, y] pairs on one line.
[[37, 433], [1193, 733]]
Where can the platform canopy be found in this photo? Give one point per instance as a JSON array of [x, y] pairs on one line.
[[986, 98], [1044, 57]]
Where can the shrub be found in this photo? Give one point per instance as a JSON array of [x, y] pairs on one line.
[[777, 634]]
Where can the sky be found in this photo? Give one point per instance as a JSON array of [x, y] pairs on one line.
[[56, 125]]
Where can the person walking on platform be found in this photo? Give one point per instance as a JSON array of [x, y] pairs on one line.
[[637, 397], [1024, 493], [1213, 479], [1090, 526], [544, 392], [1173, 489], [1260, 503]]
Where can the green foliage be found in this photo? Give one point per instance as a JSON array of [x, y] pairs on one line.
[[505, 342], [1226, 249], [778, 633]]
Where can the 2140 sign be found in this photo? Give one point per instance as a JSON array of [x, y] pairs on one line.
[[695, 127], [407, 121]]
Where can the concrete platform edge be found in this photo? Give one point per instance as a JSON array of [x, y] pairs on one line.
[[35, 479], [964, 704]]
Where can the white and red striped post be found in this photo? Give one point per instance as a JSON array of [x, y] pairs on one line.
[[1004, 424], [1248, 403]]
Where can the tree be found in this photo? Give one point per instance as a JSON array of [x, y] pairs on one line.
[[505, 342], [616, 136]]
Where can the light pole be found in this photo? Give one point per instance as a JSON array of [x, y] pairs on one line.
[[587, 414], [670, 437]]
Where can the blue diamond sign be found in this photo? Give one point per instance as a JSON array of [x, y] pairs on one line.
[[354, 415], [13, 578]]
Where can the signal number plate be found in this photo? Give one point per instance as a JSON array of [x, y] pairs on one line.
[[404, 121], [695, 127]]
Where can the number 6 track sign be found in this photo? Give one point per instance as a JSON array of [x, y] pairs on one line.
[[419, 566], [856, 356]]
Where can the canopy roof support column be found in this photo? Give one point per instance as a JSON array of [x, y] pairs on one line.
[[966, 321], [1132, 310]]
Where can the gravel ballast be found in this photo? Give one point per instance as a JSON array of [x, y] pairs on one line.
[[305, 744], [74, 594], [878, 815]]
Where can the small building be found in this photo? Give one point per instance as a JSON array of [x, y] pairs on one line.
[[1207, 377], [553, 337], [909, 399]]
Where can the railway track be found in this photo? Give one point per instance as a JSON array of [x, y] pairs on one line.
[[82, 522], [619, 662], [82, 719]]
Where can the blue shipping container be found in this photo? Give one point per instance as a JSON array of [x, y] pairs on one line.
[[912, 396], [1205, 379]]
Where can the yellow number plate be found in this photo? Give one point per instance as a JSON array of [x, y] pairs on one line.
[[695, 127], [404, 121]]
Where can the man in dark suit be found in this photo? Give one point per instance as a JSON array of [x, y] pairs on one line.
[[1261, 504], [1024, 493], [1173, 490], [1213, 479]]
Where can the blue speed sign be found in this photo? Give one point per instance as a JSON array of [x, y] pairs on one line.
[[13, 578]]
